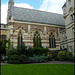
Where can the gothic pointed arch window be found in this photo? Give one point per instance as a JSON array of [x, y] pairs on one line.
[[37, 39], [52, 43], [20, 39]]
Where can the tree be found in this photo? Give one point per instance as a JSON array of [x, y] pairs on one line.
[[3, 47]]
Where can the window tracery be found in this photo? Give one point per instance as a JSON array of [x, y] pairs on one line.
[[52, 43], [37, 39]]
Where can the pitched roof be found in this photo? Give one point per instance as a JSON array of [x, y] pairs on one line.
[[32, 15]]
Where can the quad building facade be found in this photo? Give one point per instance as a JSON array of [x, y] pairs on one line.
[[39, 28], [68, 33]]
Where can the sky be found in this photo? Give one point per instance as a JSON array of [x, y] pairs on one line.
[[54, 6]]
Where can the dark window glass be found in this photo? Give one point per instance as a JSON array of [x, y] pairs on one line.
[[3, 37], [52, 43], [20, 39], [37, 40]]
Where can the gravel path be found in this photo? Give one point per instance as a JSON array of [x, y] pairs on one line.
[[50, 62], [58, 62]]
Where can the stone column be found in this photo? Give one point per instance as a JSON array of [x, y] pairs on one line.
[[10, 34], [28, 28], [45, 28], [58, 33], [29, 34], [45, 37]]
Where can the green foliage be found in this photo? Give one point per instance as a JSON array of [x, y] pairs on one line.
[[55, 55], [20, 54], [39, 59], [8, 43], [14, 59], [69, 56], [23, 58], [6, 58], [29, 52], [17, 59], [11, 52], [36, 50], [3, 47], [13, 62], [39, 51], [50, 55], [74, 58], [21, 49], [61, 55], [0, 47]]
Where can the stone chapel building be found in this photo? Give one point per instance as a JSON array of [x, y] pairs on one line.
[[34, 27]]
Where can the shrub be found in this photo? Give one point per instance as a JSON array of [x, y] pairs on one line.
[[6, 58], [50, 56], [21, 49], [69, 56], [11, 52], [3, 47], [14, 59], [74, 58], [39, 51], [62, 55], [39, 59], [55, 55], [29, 52], [13, 62], [36, 50], [23, 58]]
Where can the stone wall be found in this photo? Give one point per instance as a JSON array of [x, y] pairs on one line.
[[28, 31], [68, 13]]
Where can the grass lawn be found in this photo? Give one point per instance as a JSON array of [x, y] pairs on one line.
[[37, 69]]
